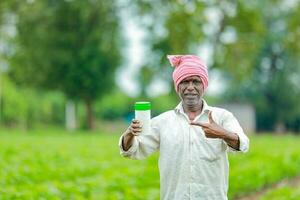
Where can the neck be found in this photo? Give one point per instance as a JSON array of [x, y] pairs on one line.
[[193, 110]]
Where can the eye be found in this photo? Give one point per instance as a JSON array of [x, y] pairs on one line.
[[197, 82], [184, 82]]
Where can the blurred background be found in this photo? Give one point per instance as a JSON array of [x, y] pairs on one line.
[[79, 65], [76, 63]]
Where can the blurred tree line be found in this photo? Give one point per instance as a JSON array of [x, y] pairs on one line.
[[254, 44], [69, 51]]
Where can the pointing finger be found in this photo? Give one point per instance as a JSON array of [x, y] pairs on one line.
[[199, 124]]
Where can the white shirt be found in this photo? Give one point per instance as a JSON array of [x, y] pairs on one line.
[[191, 166]]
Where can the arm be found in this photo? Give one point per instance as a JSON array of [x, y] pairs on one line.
[[138, 146], [229, 122], [133, 130], [232, 140], [127, 140], [231, 132]]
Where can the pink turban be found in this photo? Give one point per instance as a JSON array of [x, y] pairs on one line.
[[188, 65]]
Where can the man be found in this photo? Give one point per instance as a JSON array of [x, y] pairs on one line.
[[193, 139]]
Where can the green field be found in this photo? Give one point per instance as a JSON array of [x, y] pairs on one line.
[[58, 165]]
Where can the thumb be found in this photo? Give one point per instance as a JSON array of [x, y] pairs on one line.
[[211, 120]]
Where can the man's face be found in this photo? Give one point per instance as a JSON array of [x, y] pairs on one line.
[[191, 90]]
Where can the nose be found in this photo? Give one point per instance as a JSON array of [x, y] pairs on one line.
[[190, 85]]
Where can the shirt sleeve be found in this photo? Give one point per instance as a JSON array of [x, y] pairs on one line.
[[230, 123], [143, 145]]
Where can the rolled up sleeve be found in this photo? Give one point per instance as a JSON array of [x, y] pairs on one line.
[[143, 145], [131, 150], [230, 123]]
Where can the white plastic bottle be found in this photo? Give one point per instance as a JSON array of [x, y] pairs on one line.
[[143, 114]]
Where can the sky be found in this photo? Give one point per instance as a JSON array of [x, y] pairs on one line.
[[125, 76]]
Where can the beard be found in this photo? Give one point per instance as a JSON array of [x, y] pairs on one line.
[[191, 101]]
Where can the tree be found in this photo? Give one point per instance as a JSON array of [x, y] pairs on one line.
[[255, 44], [266, 48], [71, 46], [178, 31]]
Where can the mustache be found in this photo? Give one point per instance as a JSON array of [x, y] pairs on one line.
[[190, 94]]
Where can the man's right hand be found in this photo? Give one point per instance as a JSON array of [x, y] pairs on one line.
[[134, 129]]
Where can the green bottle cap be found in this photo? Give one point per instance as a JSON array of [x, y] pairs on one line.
[[142, 105]]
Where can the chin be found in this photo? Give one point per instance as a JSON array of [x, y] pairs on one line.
[[191, 103]]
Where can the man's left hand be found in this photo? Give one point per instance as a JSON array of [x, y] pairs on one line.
[[211, 129]]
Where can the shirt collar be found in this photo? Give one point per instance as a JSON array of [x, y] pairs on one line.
[[206, 108]]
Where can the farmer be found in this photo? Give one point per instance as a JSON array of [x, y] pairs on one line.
[[193, 139]]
